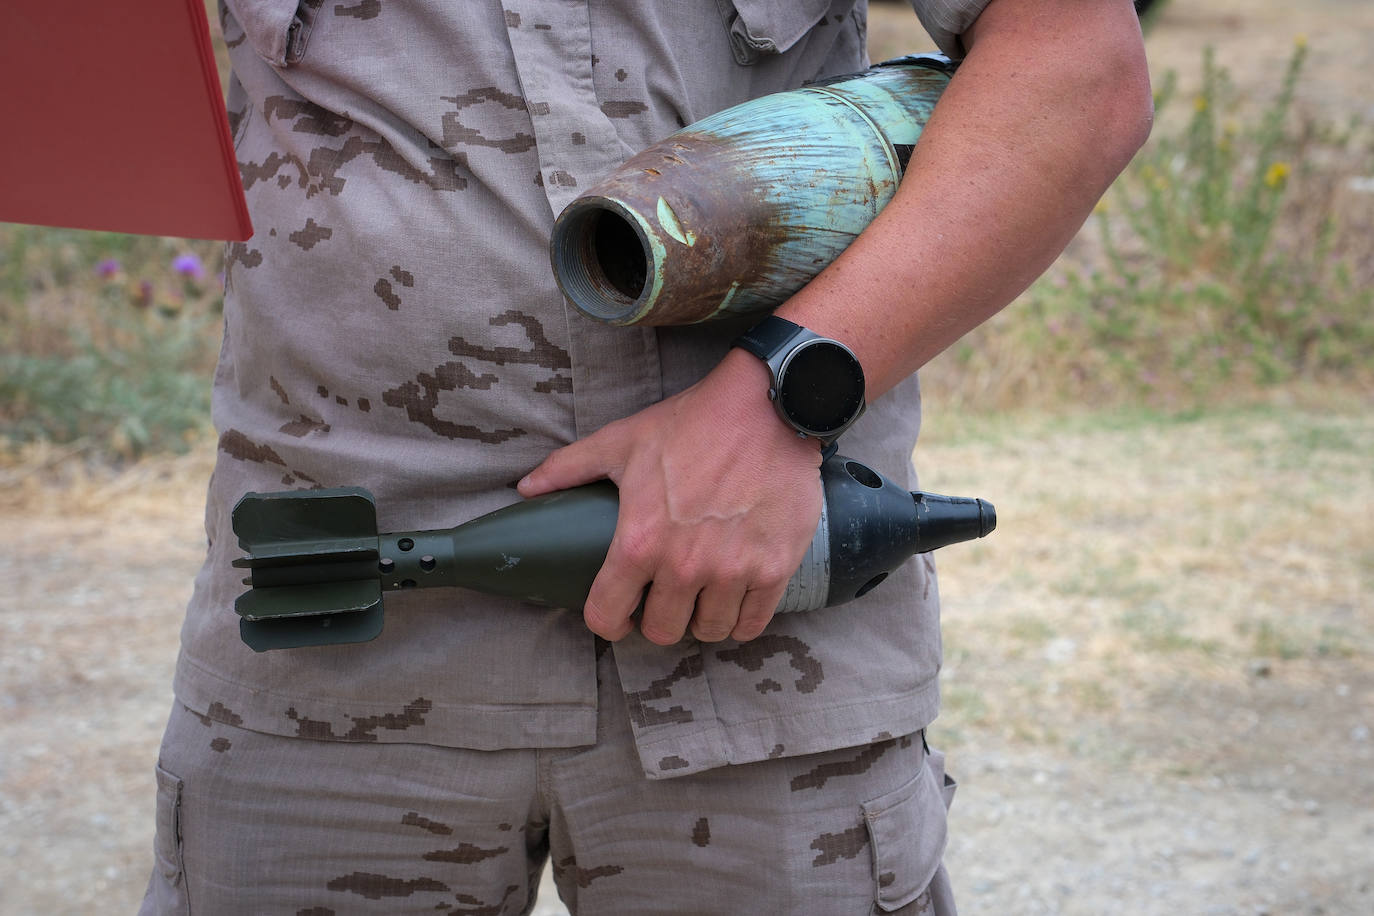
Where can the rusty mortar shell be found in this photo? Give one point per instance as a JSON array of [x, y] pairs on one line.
[[733, 214]]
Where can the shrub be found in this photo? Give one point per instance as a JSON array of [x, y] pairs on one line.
[[1225, 260], [106, 339]]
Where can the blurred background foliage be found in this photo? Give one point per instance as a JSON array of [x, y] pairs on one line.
[[1231, 259], [107, 341], [1229, 262]]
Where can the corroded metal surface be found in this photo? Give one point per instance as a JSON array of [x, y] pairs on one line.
[[731, 215]]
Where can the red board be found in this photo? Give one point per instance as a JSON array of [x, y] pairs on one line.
[[112, 118]]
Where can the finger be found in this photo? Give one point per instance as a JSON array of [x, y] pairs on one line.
[[615, 595], [756, 611], [609, 624], [717, 611], [668, 609], [581, 462]]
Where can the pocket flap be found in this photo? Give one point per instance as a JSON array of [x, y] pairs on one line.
[[168, 838], [276, 29], [907, 829], [770, 26]]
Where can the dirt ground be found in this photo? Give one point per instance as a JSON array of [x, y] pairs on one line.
[[1159, 693]]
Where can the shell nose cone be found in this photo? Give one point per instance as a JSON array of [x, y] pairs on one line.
[[987, 518]]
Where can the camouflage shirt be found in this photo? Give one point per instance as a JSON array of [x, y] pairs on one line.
[[393, 324]]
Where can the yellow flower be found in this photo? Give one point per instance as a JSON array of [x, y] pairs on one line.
[[1199, 103], [1300, 42], [1277, 174]]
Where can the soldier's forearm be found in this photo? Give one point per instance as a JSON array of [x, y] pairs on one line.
[[1050, 104]]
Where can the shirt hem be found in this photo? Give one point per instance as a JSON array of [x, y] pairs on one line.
[[808, 732], [477, 726]]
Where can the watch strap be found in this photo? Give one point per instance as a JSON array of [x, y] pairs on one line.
[[768, 336]]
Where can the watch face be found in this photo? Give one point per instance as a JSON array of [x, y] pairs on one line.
[[822, 387]]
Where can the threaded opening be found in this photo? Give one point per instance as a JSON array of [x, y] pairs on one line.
[[601, 260]]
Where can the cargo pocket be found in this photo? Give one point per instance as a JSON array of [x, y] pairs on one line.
[[277, 29], [942, 779], [167, 889], [906, 831], [761, 27]]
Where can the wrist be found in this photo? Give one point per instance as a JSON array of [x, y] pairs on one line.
[[815, 384], [743, 383]]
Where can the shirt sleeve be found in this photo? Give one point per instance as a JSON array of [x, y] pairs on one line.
[[947, 20]]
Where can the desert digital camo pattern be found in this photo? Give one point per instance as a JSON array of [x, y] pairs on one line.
[[393, 324], [361, 828]]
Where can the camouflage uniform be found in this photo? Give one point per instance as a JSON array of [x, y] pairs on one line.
[[393, 324]]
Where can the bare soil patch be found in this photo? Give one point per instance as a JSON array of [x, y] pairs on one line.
[[1158, 692], [1159, 696], [1158, 689]]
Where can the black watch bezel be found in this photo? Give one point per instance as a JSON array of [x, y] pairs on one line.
[[798, 361]]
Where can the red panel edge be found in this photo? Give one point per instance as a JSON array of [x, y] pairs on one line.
[[210, 73]]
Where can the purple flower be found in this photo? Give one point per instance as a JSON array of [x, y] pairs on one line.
[[189, 266], [107, 268]]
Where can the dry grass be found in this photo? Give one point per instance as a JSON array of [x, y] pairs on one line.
[[1140, 551], [1186, 307], [1166, 594], [1159, 593]]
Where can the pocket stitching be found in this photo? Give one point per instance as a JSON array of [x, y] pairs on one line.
[[169, 850], [912, 793]]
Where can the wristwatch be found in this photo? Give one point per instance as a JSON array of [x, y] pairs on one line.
[[815, 383]]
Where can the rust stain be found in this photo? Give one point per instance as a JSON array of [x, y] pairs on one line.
[[714, 190]]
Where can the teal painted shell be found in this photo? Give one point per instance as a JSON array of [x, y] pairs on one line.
[[733, 214]]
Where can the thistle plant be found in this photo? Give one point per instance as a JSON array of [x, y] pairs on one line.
[[107, 341], [1220, 258]]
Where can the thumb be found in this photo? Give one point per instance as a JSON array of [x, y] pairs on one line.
[[572, 465]]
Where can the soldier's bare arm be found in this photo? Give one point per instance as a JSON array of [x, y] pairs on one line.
[[718, 497]]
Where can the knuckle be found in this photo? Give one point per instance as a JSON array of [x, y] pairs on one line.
[[687, 570], [773, 576], [732, 569], [637, 547]]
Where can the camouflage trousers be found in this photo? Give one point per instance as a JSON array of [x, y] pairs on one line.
[[264, 824]]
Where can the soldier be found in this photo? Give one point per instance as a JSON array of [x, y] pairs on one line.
[[393, 324]]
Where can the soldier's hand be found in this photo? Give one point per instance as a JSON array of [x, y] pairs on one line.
[[718, 503]]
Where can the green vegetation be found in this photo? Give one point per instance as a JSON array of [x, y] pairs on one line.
[[107, 341], [1228, 259]]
